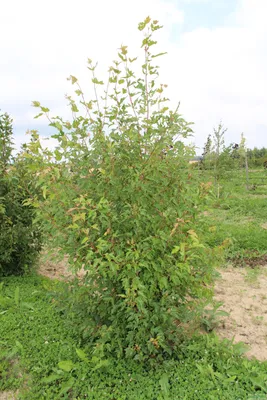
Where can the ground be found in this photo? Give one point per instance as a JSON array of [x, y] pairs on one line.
[[243, 292], [9, 395], [244, 297]]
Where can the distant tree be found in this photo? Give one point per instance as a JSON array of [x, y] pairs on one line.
[[218, 139], [218, 151], [206, 155], [243, 156], [6, 141], [20, 238], [257, 156]]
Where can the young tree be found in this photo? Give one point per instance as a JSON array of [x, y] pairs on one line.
[[244, 158], [125, 209], [207, 154], [20, 240], [6, 141], [217, 155]]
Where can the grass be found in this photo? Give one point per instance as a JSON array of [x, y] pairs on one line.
[[239, 215], [40, 356]]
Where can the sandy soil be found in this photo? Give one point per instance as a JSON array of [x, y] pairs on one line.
[[244, 294], [7, 395], [54, 269]]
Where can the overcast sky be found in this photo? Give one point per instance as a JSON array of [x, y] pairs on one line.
[[216, 64]]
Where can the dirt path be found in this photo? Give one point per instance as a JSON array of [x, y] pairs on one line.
[[244, 294]]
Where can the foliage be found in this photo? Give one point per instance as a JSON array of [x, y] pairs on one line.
[[19, 239], [220, 160], [6, 142], [211, 316], [39, 356], [217, 158], [119, 199], [207, 154], [257, 157]]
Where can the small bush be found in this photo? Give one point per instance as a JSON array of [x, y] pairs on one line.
[[119, 198], [20, 240]]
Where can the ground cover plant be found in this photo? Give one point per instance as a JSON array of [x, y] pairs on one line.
[[40, 355]]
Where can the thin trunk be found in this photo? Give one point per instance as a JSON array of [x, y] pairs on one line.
[[247, 173]]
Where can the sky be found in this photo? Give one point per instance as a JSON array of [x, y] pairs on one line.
[[216, 65]]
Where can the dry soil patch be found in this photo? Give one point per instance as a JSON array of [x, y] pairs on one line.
[[245, 299], [7, 395]]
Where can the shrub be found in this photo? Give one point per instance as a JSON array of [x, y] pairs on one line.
[[119, 199], [19, 238]]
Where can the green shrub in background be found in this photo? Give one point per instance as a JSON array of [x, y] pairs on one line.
[[119, 199], [20, 240]]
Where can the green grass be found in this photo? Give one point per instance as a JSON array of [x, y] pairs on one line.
[[238, 215], [35, 338]]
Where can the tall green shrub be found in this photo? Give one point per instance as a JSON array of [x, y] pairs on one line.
[[19, 238], [119, 199]]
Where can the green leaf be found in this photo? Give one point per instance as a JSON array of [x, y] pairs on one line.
[[51, 378], [66, 365], [19, 345], [73, 79], [74, 108], [175, 249], [259, 383], [66, 386], [101, 364], [38, 115], [159, 54], [44, 189], [85, 239], [45, 109], [97, 82], [164, 384], [29, 306], [81, 354]]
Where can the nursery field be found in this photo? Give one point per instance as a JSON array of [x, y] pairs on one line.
[[42, 355], [127, 271]]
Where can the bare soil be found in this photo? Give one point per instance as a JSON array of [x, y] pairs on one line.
[[54, 269], [8, 395], [244, 294]]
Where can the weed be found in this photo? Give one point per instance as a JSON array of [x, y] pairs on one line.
[[212, 316]]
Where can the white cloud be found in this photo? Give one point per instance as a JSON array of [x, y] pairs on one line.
[[216, 73], [221, 74]]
